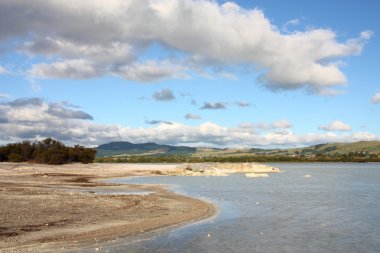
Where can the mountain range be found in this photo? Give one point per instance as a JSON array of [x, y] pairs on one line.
[[123, 148]]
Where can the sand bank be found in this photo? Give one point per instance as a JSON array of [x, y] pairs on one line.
[[222, 169], [46, 207]]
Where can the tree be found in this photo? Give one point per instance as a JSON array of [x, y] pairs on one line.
[[48, 151]]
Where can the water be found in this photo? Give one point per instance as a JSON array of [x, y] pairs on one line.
[[335, 208]]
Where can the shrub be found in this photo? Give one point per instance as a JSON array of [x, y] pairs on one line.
[[47, 151]]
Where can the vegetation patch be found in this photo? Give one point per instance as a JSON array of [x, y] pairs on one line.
[[47, 151]]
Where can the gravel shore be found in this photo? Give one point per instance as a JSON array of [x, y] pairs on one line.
[[45, 207]]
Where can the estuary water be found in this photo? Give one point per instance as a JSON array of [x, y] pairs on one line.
[[312, 207]]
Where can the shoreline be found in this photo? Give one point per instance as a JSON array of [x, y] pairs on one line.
[[46, 207]]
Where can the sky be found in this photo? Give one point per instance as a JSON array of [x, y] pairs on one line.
[[190, 72]]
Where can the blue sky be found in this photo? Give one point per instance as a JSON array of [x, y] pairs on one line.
[[202, 73]]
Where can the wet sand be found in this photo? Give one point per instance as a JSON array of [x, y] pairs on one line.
[[45, 207]]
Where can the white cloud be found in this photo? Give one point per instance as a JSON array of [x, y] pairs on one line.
[[366, 34], [111, 38], [282, 124], [34, 118], [376, 98], [151, 71], [293, 22], [68, 69], [336, 126], [35, 110], [289, 24], [2, 70], [114, 53], [278, 124]]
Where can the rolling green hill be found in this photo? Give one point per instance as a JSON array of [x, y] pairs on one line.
[[152, 149], [368, 147], [123, 148]]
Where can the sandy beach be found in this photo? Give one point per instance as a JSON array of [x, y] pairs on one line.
[[45, 207]]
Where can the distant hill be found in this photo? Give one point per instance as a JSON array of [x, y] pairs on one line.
[[123, 148], [368, 147]]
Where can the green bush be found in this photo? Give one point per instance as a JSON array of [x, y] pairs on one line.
[[48, 151]]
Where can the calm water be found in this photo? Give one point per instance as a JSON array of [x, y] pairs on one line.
[[335, 209]]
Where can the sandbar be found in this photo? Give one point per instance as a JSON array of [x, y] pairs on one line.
[[50, 207]]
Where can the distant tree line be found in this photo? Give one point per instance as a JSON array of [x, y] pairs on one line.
[[352, 157], [47, 151]]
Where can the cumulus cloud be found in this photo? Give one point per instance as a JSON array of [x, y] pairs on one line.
[[63, 112], [68, 69], [103, 38], [35, 109], [192, 116], [23, 102], [34, 118], [376, 98], [28, 118], [213, 106], [278, 124], [151, 71], [282, 124], [163, 95], [336, 125], [113, 53]]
